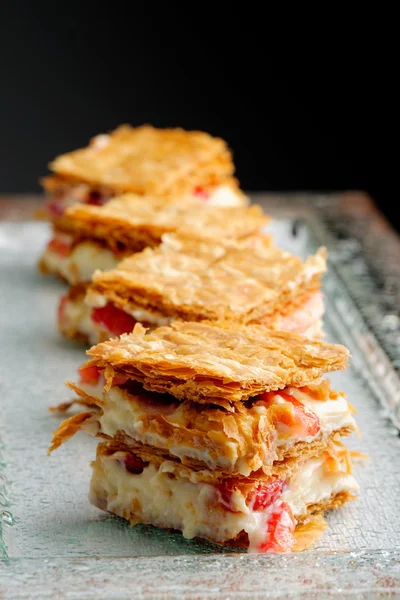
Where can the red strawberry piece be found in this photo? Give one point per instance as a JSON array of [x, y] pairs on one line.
[[60, 247], [89, 375], [61, 308], [304, 415], [200, 192], [95, 198], [114, 319], [265, 494], [55, 208], [280, 530], [133, 464]]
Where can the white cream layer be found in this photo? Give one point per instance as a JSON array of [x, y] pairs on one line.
[[81, 263], [77, 316], [333, 415], [224, 195], [313, 484], [173, 502], [120, 414]]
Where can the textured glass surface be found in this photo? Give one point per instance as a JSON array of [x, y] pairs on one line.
[[48, 526]]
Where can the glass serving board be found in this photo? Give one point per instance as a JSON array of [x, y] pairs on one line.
[[53, 541]]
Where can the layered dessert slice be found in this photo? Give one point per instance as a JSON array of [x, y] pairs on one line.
[[247, 281], [99, 237], [283, 513], [265, 433], [215, 418], [145, 161], [218, 397]]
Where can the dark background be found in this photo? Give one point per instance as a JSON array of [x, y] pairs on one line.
[[301, 110]]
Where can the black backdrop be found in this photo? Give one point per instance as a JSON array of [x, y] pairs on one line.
[[310, 112]]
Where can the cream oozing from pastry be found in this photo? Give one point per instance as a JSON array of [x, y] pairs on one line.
[[131, 417], [80, 263], [76, 316], [159, 497], [224, 195], [333, 415], [314, 483], [305, 319], [221, 195]]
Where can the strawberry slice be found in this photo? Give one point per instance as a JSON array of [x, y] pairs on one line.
[[265, 495], [305, 417], [281, 526], [60, 247], [133, 464], [89, 375], [95, 198], [119, 380], [295, 416], [200, 192], [55, 208], [62, 305], [115, 320]]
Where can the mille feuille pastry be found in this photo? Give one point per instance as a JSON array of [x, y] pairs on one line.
[[148, 162], [247, 281], [99, 237], [224, 432]]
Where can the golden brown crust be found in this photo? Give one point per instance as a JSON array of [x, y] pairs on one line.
[[146, 160], [245, 281], [308, 530], [135, 222], [207, 361], [68, 428]]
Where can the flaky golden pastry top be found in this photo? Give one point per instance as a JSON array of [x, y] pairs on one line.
[[202, 361], [130, 218], [147, 160], [245, 281]]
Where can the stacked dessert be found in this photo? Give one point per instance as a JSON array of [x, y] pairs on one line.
[[244, 280], [223, 431], [99, 237], [146, 161], [212, 411]]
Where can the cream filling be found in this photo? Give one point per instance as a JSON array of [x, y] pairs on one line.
[[81, 263], [315, 331], [145, 316], [77, 315], [120, 414], [313, 484], [225, 195], [155, 497], [304, 318], [221, 195], [332, 414]]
